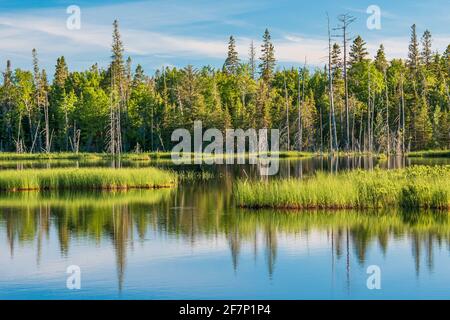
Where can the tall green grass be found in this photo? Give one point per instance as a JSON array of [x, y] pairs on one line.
[[413, 187], [85, 178]]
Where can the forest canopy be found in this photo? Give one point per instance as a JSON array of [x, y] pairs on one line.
[[354, 103]]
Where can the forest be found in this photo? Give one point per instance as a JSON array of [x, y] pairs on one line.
[[354, 103]]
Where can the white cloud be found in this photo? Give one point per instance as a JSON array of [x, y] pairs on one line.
[[46, 31]]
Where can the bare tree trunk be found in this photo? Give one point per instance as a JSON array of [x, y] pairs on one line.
[[403, 116], [387, 115], [330, 89], [287, 113], [321, 131], [66, 129], [300, 129], [47, 126], [346, 20], [369, 142]]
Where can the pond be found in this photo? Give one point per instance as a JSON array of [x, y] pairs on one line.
[[193, 243]]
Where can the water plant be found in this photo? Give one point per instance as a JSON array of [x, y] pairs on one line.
[[86, 178], [412, 187]]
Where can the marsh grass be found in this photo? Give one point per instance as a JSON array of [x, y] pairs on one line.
[[85, 179], [413, 187]]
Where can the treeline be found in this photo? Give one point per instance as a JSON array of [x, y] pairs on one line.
[[355, 103]]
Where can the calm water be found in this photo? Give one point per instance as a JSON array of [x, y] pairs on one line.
[[192, 242]]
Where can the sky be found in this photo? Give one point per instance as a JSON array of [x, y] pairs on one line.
[[176, 33]]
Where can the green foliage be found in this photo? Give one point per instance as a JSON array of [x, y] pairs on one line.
[[407, 101]]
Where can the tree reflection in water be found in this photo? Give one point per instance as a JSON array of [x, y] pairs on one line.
[[203, 213]]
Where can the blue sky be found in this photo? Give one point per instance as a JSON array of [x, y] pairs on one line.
[[176, 33]]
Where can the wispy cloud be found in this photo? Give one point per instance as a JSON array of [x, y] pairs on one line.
[[161, 32]]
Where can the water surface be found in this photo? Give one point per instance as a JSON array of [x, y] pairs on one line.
[[192, 243]]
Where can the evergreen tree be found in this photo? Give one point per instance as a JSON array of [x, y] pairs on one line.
[[423, 128], [392, 104], [252, 60], [358, 50], [139, 76], [117, 76], [336, 61], [232, 61], [7, 109], [267, 58], [117, 63], [426, 54], [413, 53], [380, 59], [59, 115]]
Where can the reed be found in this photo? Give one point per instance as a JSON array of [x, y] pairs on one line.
[[413, 187], [85, 179]]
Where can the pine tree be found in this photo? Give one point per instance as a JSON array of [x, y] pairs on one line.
[[423, 127], [61, 72], [380, 60], [58, 97], [413, 54], [43, 98], [336, 61], [117, 72], [232, 61], [117, 63], [139, 76], [252, 60], [358, 50], [7, 106], [267, 58], [37, 101], [426, 54]]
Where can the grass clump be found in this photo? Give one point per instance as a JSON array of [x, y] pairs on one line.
[[413, 187], [85, 179]]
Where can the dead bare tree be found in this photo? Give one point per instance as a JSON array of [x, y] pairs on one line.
[[333, 132], [300, 102], [47, 124], [387, 113], [286, 98], [345, 21]]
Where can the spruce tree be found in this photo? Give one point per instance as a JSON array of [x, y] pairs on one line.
[[413, 54], [252, 60], [267, 58], [381, 62], [426, 54], [336, 62], [232, 61], [117, 72], [58, 97], [358, 50], [139, 76], [61, 72]]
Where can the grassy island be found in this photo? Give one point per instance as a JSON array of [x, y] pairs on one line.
[[85, 179], [412, 187]]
